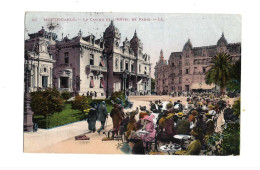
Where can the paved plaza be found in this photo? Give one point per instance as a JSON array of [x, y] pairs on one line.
[[61, 139]]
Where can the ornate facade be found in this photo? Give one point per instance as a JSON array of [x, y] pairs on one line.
[[80, 64], [38, 46], [185, 70]]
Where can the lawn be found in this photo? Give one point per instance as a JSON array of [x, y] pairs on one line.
[[66, 116]]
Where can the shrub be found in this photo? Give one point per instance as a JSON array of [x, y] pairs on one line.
[[81, 103], [236, 107], [226, 142], [231, 139], [118, 94], [46, 102], [65, 95]]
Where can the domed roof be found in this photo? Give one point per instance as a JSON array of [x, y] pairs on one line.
[[222, 40], [135, 39], [111, 30], [187, 45]]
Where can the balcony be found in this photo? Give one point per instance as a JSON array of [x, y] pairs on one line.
[[196, 73], [97, 68], [143, 75], [65, 65]]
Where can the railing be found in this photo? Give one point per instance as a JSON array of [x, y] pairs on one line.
[[98, 68]]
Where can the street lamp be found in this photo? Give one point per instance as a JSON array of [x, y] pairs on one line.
[[28, 114], [105, 57], [124, 78]]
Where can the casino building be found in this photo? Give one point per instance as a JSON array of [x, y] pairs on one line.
[[185, 70], [82, 65], [39, 48]]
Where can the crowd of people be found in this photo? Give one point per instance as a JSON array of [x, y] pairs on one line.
[[144, 130]]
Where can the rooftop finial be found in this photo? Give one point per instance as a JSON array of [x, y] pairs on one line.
[[135, 33], [80, 33], [161, 55], [42, 27], [112, 23], [222, 34]]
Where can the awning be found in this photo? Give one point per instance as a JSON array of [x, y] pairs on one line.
[[202, 86]]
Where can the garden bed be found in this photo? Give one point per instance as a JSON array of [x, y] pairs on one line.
[[66, 116]]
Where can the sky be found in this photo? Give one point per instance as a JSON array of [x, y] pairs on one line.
[[157, 31]]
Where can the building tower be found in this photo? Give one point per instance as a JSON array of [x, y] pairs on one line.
[[111, 40]]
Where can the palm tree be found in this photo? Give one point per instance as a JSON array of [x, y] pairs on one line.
[[220, 71]]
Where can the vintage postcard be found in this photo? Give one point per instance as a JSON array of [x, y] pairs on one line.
[[132, 83]]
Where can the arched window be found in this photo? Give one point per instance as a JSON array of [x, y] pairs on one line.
[[91, 61]]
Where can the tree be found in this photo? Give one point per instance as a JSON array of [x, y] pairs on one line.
[[235, 81], [81, 103], [46, 102], [220, 71]]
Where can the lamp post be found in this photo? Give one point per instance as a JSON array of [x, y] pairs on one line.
[[105, 57], [28, 114], [124, 78]]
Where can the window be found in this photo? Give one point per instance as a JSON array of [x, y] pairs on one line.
[[179, 79], [204, 70], [44, 81], [66, 57], [64, 82], [187, 71], [44, 69], [126, 66], [66, 60], [91, 82], [91, 61], [132, 67], [101, 82], [195, 70], [102, 63], [121, 65]]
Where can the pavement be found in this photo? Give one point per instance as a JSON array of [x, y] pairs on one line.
[[61, 139]]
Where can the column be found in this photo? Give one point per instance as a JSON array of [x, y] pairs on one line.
[[36, 76], [50, 77], [70, 84], [58, 82]]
